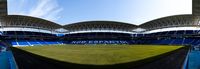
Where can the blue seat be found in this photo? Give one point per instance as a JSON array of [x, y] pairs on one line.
[[23, 43], [14, 43], [33, 42]]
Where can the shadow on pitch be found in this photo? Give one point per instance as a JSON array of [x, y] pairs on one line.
[[27, 60]]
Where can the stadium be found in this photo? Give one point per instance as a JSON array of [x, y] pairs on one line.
[[29, 31], [18, 33]]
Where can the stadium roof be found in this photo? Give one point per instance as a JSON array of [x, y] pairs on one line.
[[196, 7], [20, 21], [166, 22], [172, 21], [100, 25], [27, 21], [3, 8]]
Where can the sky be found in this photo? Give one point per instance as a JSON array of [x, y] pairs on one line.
[[72, 11]]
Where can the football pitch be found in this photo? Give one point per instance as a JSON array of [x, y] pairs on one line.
[[100, 54]]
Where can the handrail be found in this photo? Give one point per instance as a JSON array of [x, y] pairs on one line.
[[185, 64], [11, 59]]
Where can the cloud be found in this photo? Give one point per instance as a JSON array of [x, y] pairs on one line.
[[47, 9]]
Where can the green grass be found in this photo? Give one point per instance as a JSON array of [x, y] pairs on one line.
[[100, 54]]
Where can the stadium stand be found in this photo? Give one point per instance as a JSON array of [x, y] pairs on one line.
[[19, 30], [33, 42]]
